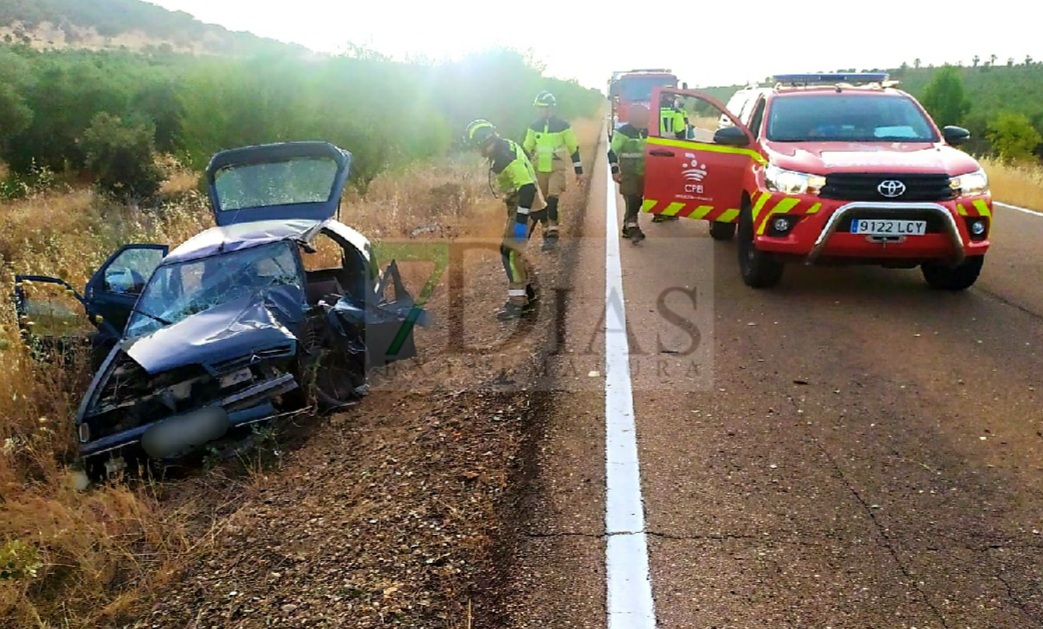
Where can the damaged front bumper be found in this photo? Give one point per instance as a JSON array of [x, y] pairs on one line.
[[179, 434]]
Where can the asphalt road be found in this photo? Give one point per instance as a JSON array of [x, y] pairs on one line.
[[848, 449]]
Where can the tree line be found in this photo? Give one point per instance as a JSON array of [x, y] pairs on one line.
[[103, 116]]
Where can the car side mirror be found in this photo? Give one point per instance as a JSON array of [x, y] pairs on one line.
[[731, 136], [955, 135]]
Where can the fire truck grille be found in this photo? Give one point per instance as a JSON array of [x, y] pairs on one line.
[[867, 186]]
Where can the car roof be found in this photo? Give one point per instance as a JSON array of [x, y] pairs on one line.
[[238, 236]]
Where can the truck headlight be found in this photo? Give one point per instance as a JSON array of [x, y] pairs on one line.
[[792, 182], [971, 184]]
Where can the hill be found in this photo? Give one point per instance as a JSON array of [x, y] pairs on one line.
[[131, 24]]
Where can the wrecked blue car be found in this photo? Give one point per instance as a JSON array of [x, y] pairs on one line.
[[278, 310]]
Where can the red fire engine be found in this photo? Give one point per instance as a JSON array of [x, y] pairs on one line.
[[632, 87]]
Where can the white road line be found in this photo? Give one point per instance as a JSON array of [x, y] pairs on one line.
[[629, 585], [1019, 209]]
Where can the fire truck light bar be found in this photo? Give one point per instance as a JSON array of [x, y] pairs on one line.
[[854, 77]]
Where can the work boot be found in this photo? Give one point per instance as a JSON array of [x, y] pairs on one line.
[[550, 242], [626, 232], [635, 234], [513, 310], [658, 218]]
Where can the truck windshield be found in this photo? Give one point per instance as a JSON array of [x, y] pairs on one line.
[[639, 88], [848, 118], [177, 291]]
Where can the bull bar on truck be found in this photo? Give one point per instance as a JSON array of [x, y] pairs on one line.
[[951, 228]]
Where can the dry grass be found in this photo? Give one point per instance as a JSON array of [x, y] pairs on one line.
[[1017, 184], [88, 559]]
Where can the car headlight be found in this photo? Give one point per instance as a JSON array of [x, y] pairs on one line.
[[971, 184], [792, 182]]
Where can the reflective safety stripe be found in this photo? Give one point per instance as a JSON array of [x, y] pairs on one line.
[[713, 148], [701, 211], [648, 205], [983, 208], [729, 216], [672, 209], [962, 210], [759, 205], [783, 206], [814, 209], [516, 292], [523, 211]]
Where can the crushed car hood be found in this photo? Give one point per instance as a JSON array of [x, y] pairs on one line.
[[226, 331], [893, 157]]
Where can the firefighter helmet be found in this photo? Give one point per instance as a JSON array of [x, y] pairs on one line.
[[545, 99], [480, 131]]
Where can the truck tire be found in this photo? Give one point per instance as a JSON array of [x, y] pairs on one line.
[[960, 277], [722, 231], [758, 268]]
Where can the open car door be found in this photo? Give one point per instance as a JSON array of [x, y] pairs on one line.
[[48, 318], [283, 181], [699, 175]]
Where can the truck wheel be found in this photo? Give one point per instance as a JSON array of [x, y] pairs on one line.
[[759, 269], [722, 231], [959, 277]]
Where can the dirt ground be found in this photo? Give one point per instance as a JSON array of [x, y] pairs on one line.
[[392, 513]]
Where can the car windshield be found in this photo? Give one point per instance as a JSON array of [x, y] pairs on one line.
[[179, 290], [640, 88], [286, 182], [848, 118]]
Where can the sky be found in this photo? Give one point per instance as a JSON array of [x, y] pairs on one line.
[[705, 44]]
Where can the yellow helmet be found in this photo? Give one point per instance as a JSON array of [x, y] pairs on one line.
[[480, 132]]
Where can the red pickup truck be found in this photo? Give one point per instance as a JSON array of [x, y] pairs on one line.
[[828, 169]]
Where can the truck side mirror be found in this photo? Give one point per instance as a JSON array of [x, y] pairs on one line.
[[955, 135], [731, 136], [684, 85]]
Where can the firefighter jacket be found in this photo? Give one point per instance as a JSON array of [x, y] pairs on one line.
[[548, 141], [514, 176], [673, 122], [626, 154]]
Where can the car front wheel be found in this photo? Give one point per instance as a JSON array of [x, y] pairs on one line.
[[722, 231], [960, 277], [759, 269]]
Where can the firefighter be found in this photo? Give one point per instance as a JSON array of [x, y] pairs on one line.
[[672, 121], [547, 141], [626, 155], [516, 179]]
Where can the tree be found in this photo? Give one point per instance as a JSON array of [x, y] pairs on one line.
[[121, 154], [916, 63], [992, 59], [976, 60], [1013, 136], [944, 97], [1028, 60], [1010, 62]]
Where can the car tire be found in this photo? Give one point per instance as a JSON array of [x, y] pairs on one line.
[[758, 268], [335, 379], [722, 231], [960, 277]]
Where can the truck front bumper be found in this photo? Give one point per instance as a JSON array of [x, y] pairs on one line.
[[824, 235]]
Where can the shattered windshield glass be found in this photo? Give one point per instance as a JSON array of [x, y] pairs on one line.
[[179, 290], [287, 182]]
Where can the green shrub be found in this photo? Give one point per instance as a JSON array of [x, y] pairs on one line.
[[121, 156]]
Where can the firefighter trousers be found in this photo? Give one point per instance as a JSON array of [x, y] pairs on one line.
[[632, 188], [512, 252]]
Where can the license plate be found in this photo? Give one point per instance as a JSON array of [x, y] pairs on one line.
[[888, 227]]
